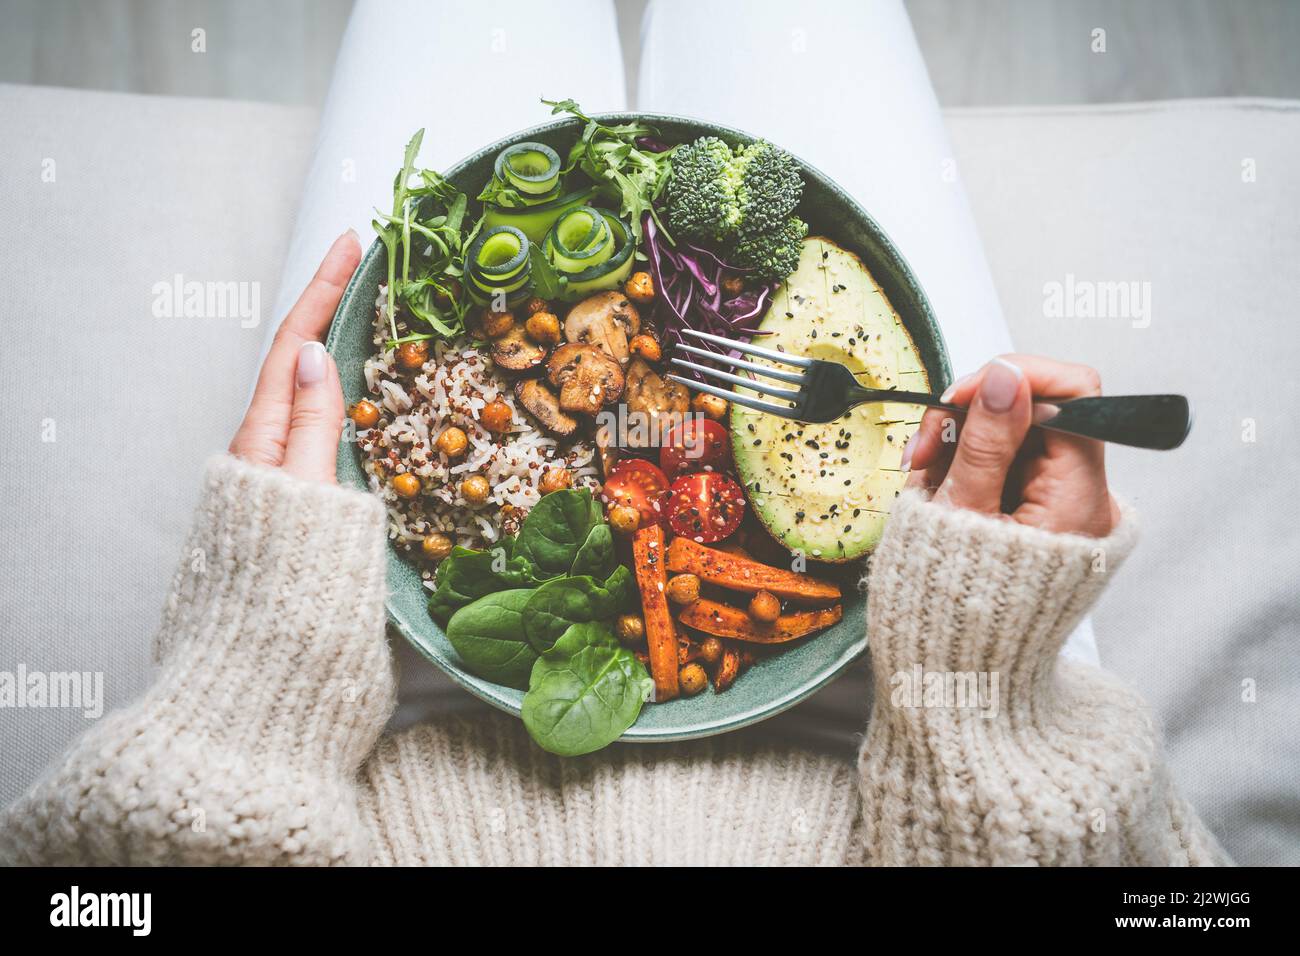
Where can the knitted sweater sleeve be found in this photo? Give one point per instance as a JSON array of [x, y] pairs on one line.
[[986, 747], [275, 682]]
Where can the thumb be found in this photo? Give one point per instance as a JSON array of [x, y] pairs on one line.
[[995, 428], [317, 416]]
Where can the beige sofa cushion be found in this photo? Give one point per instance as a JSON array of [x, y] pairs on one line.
[[103, 197], [1199, 200]]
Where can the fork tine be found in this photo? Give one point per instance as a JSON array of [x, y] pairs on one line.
[[761, 387], [765, 370], [771, 408], [751, 349]]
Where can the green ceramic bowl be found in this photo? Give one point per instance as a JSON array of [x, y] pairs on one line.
[[771, 686]]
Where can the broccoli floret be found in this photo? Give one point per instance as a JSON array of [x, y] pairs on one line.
[[719, 195], [768, 190], [701, 193], [772, 255]]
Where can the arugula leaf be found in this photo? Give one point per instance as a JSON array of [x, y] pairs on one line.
[[500, 194], [547, 282], [584, 692], [610, 157], [567, 106], [425, 240]]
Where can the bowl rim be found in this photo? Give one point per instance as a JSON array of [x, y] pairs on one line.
[[493, 694]]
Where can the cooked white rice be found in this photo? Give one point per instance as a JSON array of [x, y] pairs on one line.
[[452, 388]]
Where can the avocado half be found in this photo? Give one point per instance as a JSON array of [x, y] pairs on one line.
[[825, 490]]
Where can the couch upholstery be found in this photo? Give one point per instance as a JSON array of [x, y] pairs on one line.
[[1203, 620], [1208, 607]]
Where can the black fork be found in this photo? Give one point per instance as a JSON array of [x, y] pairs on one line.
[[823, 391]]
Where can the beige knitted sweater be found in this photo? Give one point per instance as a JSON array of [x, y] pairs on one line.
[[262, 740]]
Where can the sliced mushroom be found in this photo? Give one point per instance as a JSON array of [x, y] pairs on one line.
[[586, 377], [516, 352], [541, 401], [651, 395], [608, 320]]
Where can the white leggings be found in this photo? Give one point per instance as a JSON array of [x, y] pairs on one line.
[[840, 83]]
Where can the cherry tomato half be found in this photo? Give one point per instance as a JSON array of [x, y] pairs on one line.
[[705, 507], [638, 484], [697, 444]]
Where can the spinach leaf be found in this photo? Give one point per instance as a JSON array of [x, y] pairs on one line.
[[596, 556], [556, 529], [465, 576], [622, 590], [584, 692], [559, 604], [488, 635]]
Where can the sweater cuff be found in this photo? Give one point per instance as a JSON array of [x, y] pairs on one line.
[[956, 591], [273, 634]]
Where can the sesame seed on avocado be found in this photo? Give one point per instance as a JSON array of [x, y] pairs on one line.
[[831, 292]]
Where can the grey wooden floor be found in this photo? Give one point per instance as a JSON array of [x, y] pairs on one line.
[[980, 52]]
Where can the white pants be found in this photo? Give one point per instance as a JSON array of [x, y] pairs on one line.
[[840, 83]]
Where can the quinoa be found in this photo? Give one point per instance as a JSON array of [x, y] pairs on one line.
[[452, 388]]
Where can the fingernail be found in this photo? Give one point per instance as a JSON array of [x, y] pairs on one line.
[[1000, 385], [353, 233], [311, 364], [952, 389], [908, 449]]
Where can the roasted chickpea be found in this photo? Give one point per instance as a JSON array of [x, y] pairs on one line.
[[555, 479], [496, 324], [646, 346], [364, 414], [412, 355], [496, 417], [683, 589], [630, 629], [710, 405], [535, 305], [764, 607], [692, 679], [543, 328], [436, 546], [475, 489], [452, 442], [639, 287], [732, 286], [406, 485], [623, 519], [710, 650]]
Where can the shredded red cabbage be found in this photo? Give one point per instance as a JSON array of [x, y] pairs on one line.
[[651, 144], [689, 293]]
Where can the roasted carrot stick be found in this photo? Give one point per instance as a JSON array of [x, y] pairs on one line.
[[660, 631], [744, 574], [723, 620]]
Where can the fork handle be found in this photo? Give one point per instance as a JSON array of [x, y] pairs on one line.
[[1142, 421]]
